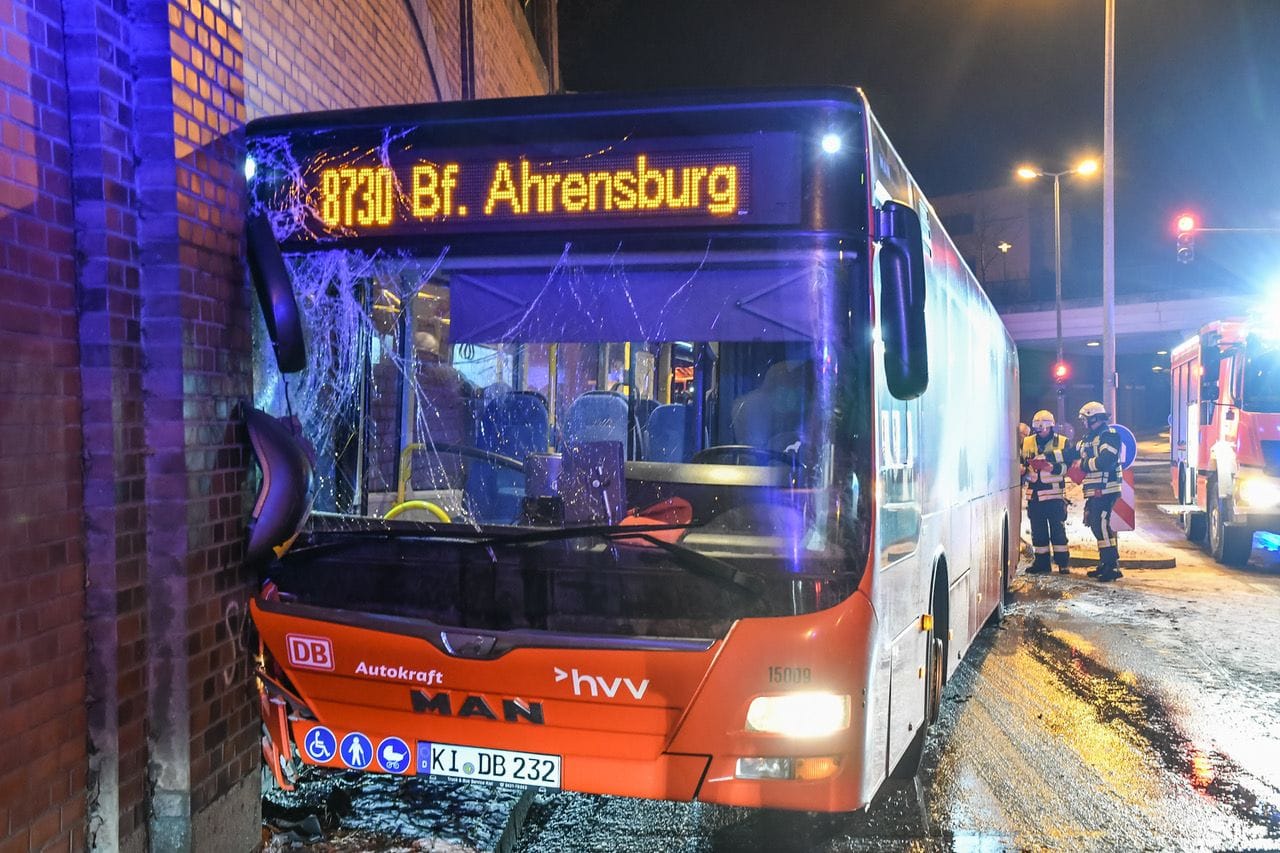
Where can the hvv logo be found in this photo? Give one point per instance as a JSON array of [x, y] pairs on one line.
[[597, 684]]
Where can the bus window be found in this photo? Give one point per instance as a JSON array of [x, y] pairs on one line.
[[485, 382]]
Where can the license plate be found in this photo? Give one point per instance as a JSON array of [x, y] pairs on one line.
[[488, 765]]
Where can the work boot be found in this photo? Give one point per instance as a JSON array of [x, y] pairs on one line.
[[1105, 567], [1040, 565], [1063, 560], [1108, 573]]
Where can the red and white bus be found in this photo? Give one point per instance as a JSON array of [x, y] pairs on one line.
[[657, 446]]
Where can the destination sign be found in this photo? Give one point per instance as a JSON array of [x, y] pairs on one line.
[[337, 188], [415, 195]]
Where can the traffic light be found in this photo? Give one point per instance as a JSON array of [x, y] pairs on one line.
[[1061, 372], [1186, 225]]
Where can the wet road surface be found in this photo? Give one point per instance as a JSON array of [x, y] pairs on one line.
[[1139, 715]]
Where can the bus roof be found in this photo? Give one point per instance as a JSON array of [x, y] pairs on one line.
[[574, 104]]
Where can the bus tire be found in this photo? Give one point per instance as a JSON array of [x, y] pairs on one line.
[[1006, 595], [909, 765]]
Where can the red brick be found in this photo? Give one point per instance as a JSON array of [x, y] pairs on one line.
[[44, 828]]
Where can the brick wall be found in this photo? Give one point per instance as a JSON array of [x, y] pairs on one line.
[[42, 646], [507, 61], [196, 323], [301, 57], [124, 351]]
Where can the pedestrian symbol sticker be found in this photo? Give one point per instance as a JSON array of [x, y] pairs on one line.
[[393, 755], [320, 744], [357, 751]]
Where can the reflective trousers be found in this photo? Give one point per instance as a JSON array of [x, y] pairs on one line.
[[1049, 532], [1097, 516]]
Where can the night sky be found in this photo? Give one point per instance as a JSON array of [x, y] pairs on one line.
[[968, 89]]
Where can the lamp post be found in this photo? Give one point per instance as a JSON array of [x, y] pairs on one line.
[[1110, 380], [1086, 167]]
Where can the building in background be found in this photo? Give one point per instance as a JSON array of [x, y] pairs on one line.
[[127, 710], [1006, 236]]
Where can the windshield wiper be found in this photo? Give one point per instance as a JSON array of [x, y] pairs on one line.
[[336, 539], [714, 569], [720, 572]]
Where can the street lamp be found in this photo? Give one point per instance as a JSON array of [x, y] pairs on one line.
[[1027, 173]]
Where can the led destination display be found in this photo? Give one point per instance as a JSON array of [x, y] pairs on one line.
[[420, 190], [351, 196]]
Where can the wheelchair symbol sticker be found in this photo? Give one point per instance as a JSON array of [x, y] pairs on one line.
[[393, 755], [320, 744], [357, 751]]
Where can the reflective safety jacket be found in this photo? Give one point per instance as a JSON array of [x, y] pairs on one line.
[[1045, 485], [1100, 460]]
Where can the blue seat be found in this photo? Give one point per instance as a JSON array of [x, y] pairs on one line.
[[514, 424], [597, 416], [667, 434]]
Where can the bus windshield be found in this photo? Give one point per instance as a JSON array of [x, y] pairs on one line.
[[1261, 375], [488, 429]]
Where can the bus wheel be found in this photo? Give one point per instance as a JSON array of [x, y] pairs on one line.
[[1006, 595]]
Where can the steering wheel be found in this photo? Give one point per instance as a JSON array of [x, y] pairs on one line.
[[434, 509], [740, 454]]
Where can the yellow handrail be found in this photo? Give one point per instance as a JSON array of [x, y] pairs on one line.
[[402, 478], [426, 505]]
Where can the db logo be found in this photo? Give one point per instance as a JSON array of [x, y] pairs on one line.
[[310, 652]]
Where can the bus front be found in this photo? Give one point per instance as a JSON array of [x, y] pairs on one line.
[[585, 442]]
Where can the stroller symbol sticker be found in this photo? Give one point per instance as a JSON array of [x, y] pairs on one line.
[[393, 755]]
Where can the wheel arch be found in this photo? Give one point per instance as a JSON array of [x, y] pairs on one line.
[[940, 598]]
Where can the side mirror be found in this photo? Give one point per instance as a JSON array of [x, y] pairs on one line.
[[283, 501], [275, 295], [902, 293]]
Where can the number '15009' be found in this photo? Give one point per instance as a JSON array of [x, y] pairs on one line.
[[790, 675]]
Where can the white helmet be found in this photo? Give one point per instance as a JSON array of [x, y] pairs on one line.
[[1042, 419], [1093, 409]]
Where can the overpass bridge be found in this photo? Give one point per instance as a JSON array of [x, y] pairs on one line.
[[1147, 328], [1143, 325]]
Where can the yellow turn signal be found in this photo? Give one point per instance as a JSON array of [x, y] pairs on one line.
[[810, 769]]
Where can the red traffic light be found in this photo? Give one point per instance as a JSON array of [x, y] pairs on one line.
[[1061, 371], [1185, 222]]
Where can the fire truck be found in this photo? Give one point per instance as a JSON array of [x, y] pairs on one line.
[[1224, 441]]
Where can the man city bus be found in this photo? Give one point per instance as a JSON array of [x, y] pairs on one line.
[[657, 446]]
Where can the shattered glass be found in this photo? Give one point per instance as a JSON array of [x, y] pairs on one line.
[[461, 402]]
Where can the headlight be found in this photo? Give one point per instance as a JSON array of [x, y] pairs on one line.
[[1258, 491], [799, 714]]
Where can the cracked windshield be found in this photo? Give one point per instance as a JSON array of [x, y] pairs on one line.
[[631, 441]]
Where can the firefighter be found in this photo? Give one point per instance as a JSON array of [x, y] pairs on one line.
[[1045, 457], [1099, 452]]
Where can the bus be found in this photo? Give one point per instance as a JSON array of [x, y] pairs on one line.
[[659, 446]]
